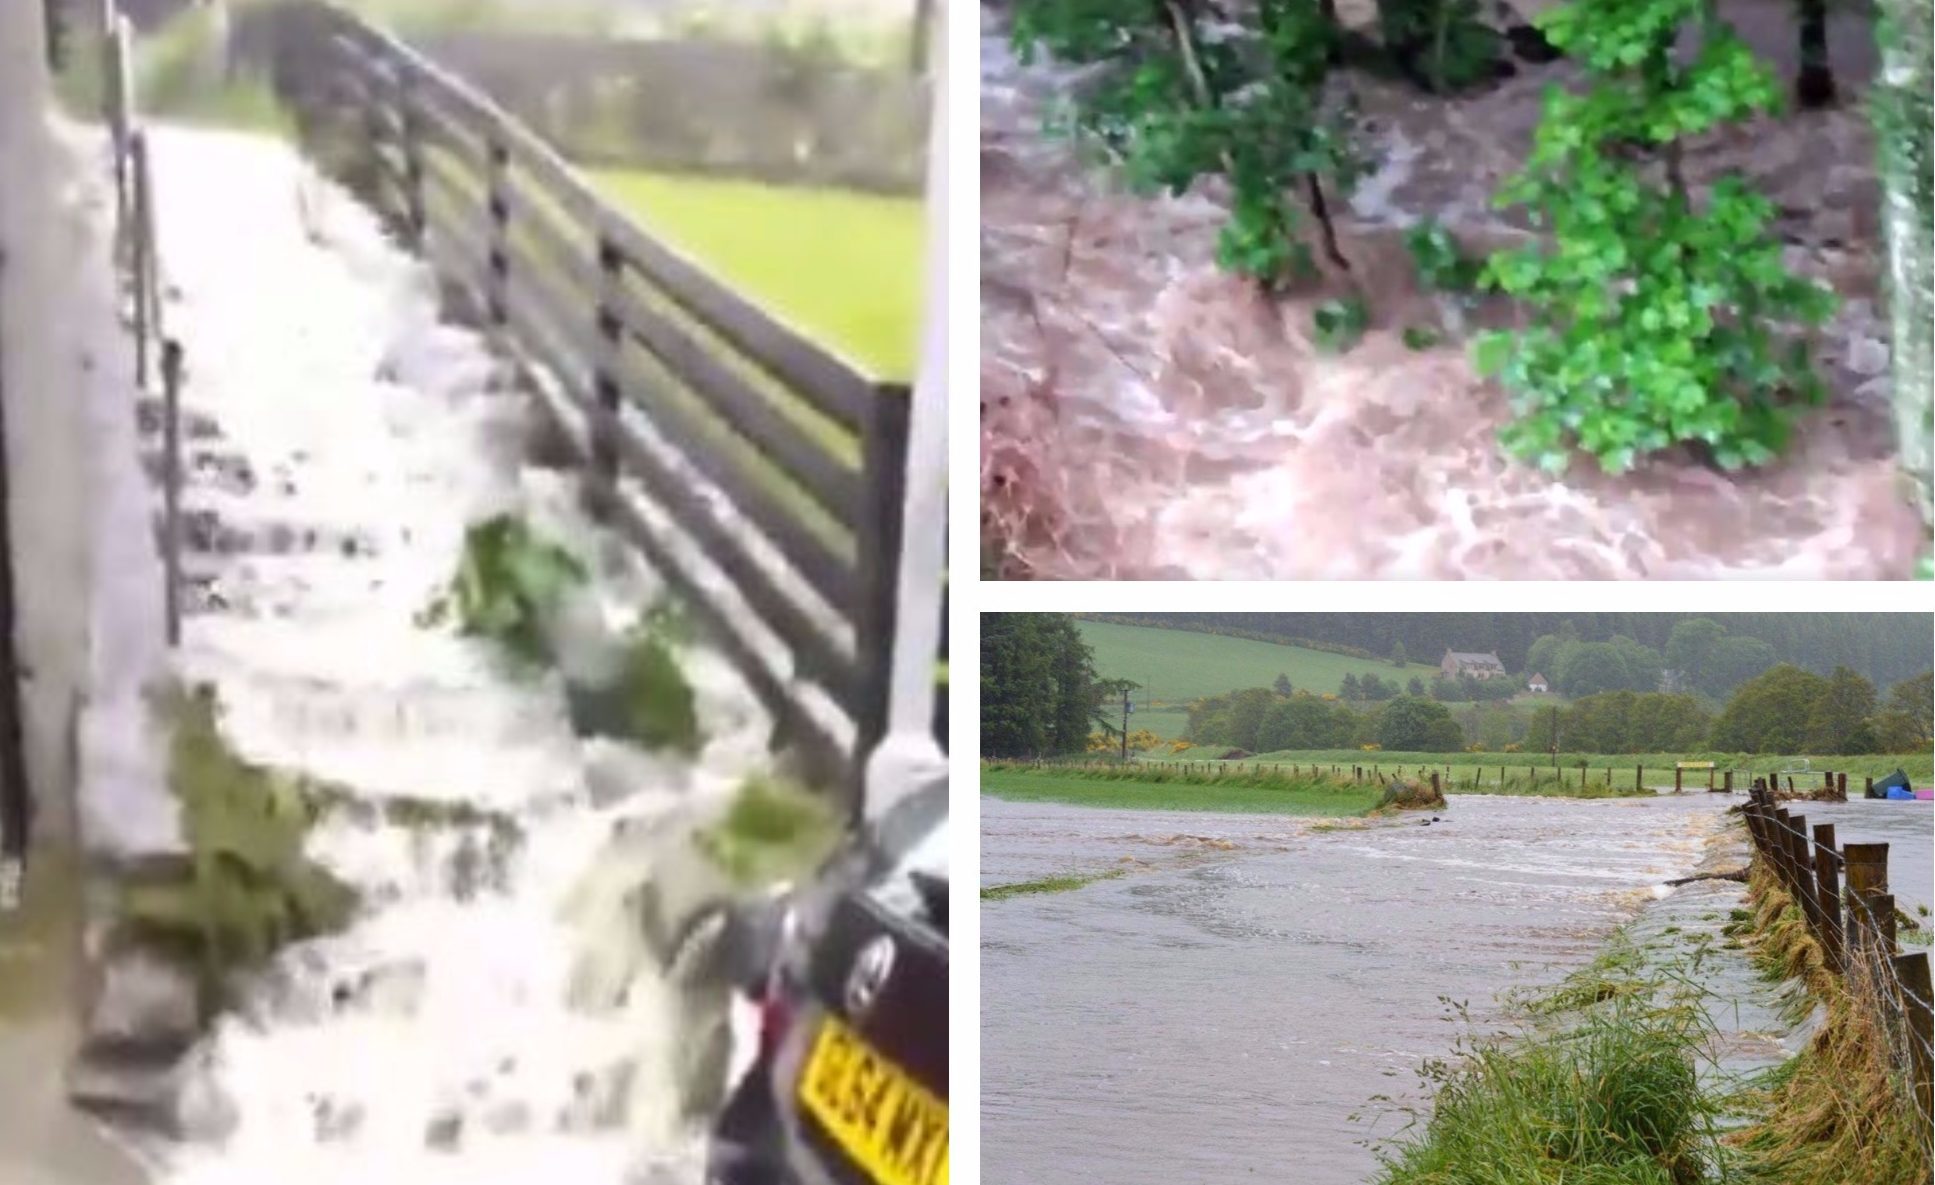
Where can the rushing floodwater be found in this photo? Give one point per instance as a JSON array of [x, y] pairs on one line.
[[489, 1016], [1221, 1013]]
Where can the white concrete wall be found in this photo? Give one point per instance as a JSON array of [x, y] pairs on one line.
[[45, 443]]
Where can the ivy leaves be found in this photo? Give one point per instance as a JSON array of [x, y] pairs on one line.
[[1177, 99], [1656, 320]]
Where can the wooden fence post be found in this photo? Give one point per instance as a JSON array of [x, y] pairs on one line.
[[1881, 913], [1868, 786], [883, 451], [1678, 776], [1799, 857], [1867, 872], [1841, 786], [1435, 790], [1729, 783], [1827, 890], [498, 201], [1912, 971]]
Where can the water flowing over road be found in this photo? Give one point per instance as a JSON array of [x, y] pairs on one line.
[[1236, 1000], [489, 1015]]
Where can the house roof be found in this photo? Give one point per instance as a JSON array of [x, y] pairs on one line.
[[1484, 660], [1536, 678]]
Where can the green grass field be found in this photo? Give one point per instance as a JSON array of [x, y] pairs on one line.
[[1176, 666], [843, 268], [1239, 796]]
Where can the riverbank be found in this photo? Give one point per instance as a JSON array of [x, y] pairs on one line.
[[1163, 791]]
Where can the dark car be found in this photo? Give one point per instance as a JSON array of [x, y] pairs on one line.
[[849, 1084]]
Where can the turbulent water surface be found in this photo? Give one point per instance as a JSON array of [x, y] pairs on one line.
[[340, 439], [1237, 999]]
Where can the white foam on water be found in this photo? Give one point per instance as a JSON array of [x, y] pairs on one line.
[[447, 1035]]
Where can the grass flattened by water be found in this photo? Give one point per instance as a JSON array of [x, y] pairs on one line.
[[1154, 789], [1047, 884], [1840, 1110]]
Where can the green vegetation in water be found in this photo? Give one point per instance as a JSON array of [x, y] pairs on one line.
[[1146, 788], [1612, 1100], [650, 702], [773, 830], [247, 888], [1047, 884], [844, 268], [510, 581]]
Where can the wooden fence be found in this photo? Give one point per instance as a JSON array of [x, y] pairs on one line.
[[771, 472], [1842, 893]]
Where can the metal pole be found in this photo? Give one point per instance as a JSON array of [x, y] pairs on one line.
[[171, 487], [908, 753]]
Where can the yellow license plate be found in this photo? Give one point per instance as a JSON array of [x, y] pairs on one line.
[[888, 1123]]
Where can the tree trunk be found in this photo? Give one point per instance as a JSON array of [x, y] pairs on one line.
[[1902, 105], [1815, 86], [1321, 211]]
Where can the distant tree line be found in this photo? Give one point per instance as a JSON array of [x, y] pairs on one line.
[[1781, 710], [1885, 647]]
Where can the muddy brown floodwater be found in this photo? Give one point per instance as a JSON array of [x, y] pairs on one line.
[[1232, 1015], [1146, 416]]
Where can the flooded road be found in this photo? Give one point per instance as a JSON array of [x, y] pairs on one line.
[[1220, 1012]]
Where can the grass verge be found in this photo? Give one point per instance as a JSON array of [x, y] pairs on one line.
[[1047, 884], [1139, 788]]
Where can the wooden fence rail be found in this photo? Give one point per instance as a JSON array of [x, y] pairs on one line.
[[1842, 894], [775, 464]]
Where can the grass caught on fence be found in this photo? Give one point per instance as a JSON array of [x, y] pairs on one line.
[[1839, 1110], [1136, 788]]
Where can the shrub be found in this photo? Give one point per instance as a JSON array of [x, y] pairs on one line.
[[1656, 320], [509, 582]]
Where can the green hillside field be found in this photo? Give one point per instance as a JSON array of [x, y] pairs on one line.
[[1176, 666]]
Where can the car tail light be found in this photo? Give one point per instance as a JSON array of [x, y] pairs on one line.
[[775, 1017]]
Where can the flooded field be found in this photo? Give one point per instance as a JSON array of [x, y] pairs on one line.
[[1237, 1002]]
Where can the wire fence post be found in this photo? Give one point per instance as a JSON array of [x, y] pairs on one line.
[[1912, 973], [1867, 872], [1827, 889]]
